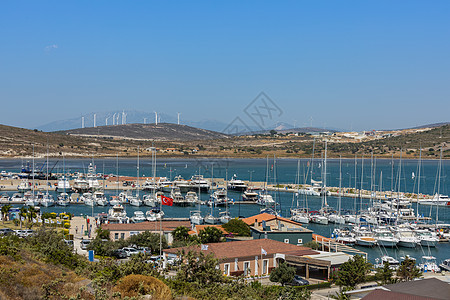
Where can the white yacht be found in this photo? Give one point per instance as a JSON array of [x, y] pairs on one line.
[[299, 215], [316, 217], [114, 200], [427, 238], [135, 201], [440, 200], [124, 197], [24, 186], [149, 200], [92, 178], [199, 183], [250, 195], [344, 236], [100, 198], [336, 218], [364, 237], [138, 217], [117, 214], [63, 184], [177, 197], [429, 264], [63, 199], [80, 184], [196, 217], [88, 199], [236, 184], [154, 214], [385, 238], [150, 185], [182, 184], [47, 200], [165, 185], [191, 198], [265, 199], [224, 217], [407, 238], [210, 219], [219, 198], [16, 197]]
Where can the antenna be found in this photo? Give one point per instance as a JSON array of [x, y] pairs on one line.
[[156, 118], [95, 119], [178, 118]]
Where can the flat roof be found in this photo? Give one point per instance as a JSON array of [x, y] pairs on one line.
[[335, 258]]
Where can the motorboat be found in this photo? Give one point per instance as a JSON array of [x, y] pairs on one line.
[[165, 185], [224, 217], [196, 217], [344, 236], [178, 199], [149, 200], [427, 238], [266, 200], [439, 200], [80, 184], [317, 217], [250, 195], [135, 201], [91, 178], [385, 237], [150, 185], [16, 197], [138, 217], [100, 198], [47, 200], [336, 218], [219, 198], [63, 184], [429, 264], [154, 214], [198, 183], [63, 199], [407, 238], [445, 265], [88, 199], [364, 237], [24, 186], [114, 200], [392, 262], [117, 214], [182, 184], [123, 197], [191, 198], [236, 184]]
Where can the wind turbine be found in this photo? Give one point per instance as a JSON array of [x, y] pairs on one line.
[[178, 118], [156, 118]]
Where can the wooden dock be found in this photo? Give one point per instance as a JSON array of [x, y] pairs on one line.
[[331, 245]]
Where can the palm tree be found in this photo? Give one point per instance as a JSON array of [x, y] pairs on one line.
[[5, 210], [31, 214], [22, 214]]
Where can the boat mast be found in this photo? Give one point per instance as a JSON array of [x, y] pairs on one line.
[[356, 185], [418, 182], [137, 171], [438, 188], [340, 184], [325, 204]]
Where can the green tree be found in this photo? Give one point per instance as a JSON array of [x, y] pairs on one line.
[[237, 227], [353, 271], [22, 214], [272, 132], [313, 245], [210, 235], [199, 268], [282, 274], [31, 214], [149, 239], [385, 274], [408, 271], [181, 233], [102, 234], [5, 210]]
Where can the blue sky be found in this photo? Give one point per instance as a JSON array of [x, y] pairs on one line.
[[354, 64]]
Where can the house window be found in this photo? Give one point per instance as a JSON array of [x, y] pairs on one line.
[[286, 241], [247, 270], [300, 241], [226, 270], [265, 269], [116, 236], [122, 235]]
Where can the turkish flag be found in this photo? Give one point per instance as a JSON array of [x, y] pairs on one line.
[[166, 200]]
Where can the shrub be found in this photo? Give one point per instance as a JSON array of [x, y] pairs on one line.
[[137, 285]]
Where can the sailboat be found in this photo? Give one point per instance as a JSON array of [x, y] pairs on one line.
[[320, 217], [266, 199], [210, 219], [336, 217], [135, 200], [224, 216], [63, 198], [438, 199], [47, 200], [298, 214]]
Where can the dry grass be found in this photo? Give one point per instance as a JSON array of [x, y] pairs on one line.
[[137, 285]]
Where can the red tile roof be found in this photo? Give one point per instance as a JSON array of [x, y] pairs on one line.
[[247, 248], [147, 226], [266, 217]]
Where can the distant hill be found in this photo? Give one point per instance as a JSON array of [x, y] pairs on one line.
[[131, 117], [160, 132], [431, 125]]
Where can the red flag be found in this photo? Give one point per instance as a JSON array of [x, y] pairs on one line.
[[166, 200]]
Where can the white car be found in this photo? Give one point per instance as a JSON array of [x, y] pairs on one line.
[[130, 251]]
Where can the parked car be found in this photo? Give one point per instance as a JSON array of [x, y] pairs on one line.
[[130, 251], [69, 243], [144, 250], [84, 244], [24, 232], [6, 231], [298, 281], [120, 253]]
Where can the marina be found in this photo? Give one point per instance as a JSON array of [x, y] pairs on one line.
[[282, 185]]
